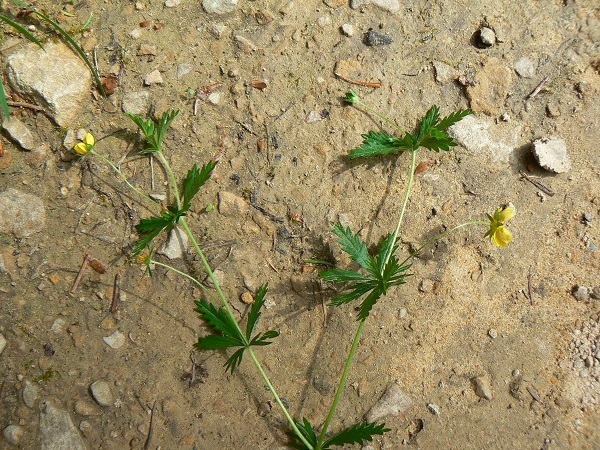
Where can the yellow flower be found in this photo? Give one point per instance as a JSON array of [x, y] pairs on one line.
[[88, 143], [500, 235]]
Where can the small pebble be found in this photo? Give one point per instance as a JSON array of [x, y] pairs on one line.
[[347, 30], [482, 387], [153, 78], [552, 154], [487, 36], [30, 394], [115, 340], [324, 21], [102, 393], [581, 293], [525, 68], [57, 326], [516, 373], [587, 217], [492, 333], [247, 298], [402, 313], [13, 434], [393, 402], [435, 409], [373, 38]]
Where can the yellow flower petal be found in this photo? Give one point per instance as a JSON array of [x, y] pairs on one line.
[[502, 236], [89, 139], [81, 148], [506, 214]]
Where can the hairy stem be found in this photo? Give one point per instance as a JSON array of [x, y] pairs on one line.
[[441, 235], [404, 204], [173, 182], [381, 116], [340, 388]]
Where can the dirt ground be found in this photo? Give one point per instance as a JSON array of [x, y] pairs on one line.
[[465, 313]]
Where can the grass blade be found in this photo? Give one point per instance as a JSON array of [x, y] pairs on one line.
[[21, 29]]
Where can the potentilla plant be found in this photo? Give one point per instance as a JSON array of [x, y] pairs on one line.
[[380, 270]]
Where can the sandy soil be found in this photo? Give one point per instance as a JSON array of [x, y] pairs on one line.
[[465, 312]]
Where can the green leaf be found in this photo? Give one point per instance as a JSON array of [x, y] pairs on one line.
[[154, 226], [219, 321], [261, 339], [163, 125], [194, 181], [3, 102], [154, 132], [216, 341], [341, 275], [368, 303], [428, 122], [234, 360], [453, 118], [387, 247], [21, 29], [307, 431], [377, 144], [356, 434], [354, 292], [255, 313], [353, 245]]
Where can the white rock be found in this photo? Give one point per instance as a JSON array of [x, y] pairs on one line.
[[245, 44], [136, 33], [115, 340], [219, 30], [387, 5], [13, 434], [57, 325], [488, 36], [214, 98], [393, 402], [175, 245], [22, 214], [30, 394], [57, 431], [313, 116], [172, 3], [348, 30], [19, 132], [136, 102], [219, 6], [444, 73], [153, 77], [183, 69], [324, 21], [482, 387], [57, 79], [102, 393], [2, 343], [481, 136], [552, 154], [525, 68]]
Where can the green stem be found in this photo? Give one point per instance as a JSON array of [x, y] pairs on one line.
[[441, 235], [173, 183], [123, 177], [230, 313], [340, 387], [278, 400], [404, 204], [371, 110]]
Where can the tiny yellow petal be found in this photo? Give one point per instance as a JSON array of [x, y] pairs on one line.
[[89, 139], [506, 214], [81, 148], [502, 236]]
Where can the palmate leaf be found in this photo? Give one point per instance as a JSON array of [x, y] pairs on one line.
[[153, 226], [194, 181], [356, 434], [354, 292], [227, 333], [377, 144], [428, 122], [341, 275]]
